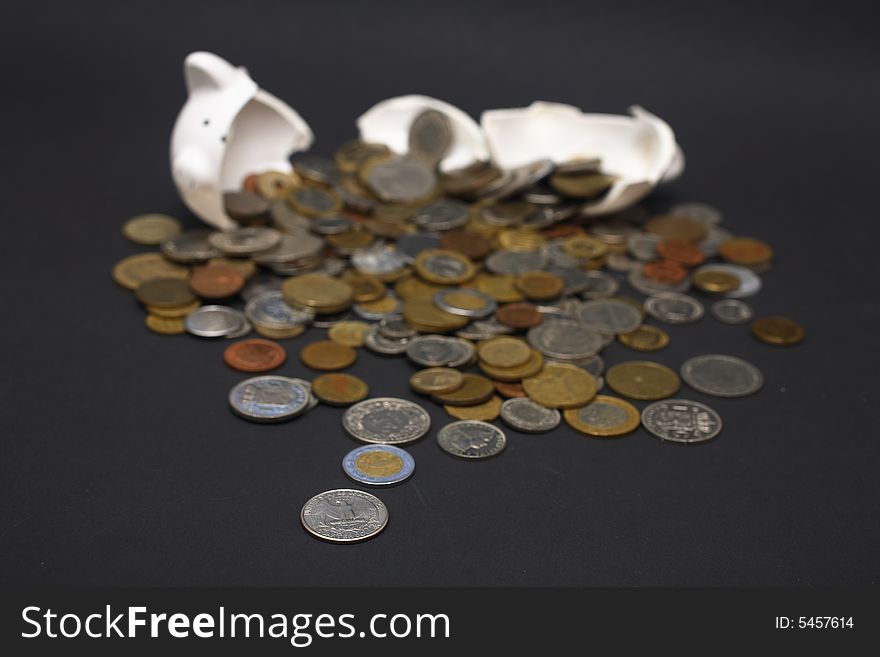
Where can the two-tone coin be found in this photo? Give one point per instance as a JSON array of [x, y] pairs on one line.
[[378, 465]]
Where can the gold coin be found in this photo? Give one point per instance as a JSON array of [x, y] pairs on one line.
[[134, 270], [444, 267], [642, 379], [317, 291], [504, 352], [539, 285], [174, 311], [413, 286], [487, 411], [584, 247], [436, 380], [349, 333], [339, 389], [424, 313], [275, 184], [353, 154], [715, 280], [327, 355], [279, 334], [465, 300], [384, 306], [164, 293], [604, 416], [351, 240], [475, 389], [379, 463], [560, 385], [395, 212], [151, 229], [365, 287], [519, 239], [502, 288], [676, 227], [245, 266], [508, 374], [645, 338], [581, 185], [165, 325], [778, 330]]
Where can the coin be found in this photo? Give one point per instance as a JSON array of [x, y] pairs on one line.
[[411, 246], [539, 285], [565, 339], [526, 416], [216, 281], [676, 227], [382, 261], [475, 389], [749, 281], [269, 310], [174, 312], [380, 344], [673, 308], [436, 380], [190, 246], [732, 311], [395, 327], [443, 214], [215, 321], [134, 270], [470, 244], [465, 302], [386, 420], [715, 280], [642, 379], [681, 420], [313, 201], [350, 241], [292, 247], [338, 389], [269, 399], [778, 331], [344, 516], [705, 214], [519, 315], [351, 155], [365, 287], [584, 248], [664, 271], [609, 316], [500, 288], [510, 389], [599, 285], [444, 267], [165, 325], [246, 207], [319, 292], [504, 352], [681, 251], [471, 439], [638, 281], [150, 229], [604, 416], [245, 241], [254, 355], [515, 262], [430, 137], [164, 293], [314, 168], [349, 333], [327, 355], [581, 185], [722, 376], [275, 184], [378, 465], [399, 180], [423, 315], [645, 338], [560, 385], [745, 251], [486, 411], [508, 374]]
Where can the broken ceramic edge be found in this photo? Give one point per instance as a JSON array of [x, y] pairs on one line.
[[227, 129], [388, 123], [639, 149]]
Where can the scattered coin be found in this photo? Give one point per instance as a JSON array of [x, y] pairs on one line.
[[486, 411], [378, 465], [344, 516], [164, 293], [444, 267], [327, 355], [349, 333], [471, 439], [504, 352], [215, 322], [386, 420], [715, 280], [130, 272], [645, 338], [642, 379], [165, 325], [269, 399], [511, 374], [190, 246], [509, 389], [400, 180], [151, 229], [436, 380], [216, 281], [673, 308], [732, 311], [254, 355], [338, 389], [526, 416], [778, 331], [465, 302], [681, 421], [722, 376], [604, 416], [560, 385]]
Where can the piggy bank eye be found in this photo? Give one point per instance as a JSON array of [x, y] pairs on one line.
[[223, 139], [206, 122]]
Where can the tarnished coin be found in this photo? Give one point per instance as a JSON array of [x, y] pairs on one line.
[[645, 338], [526, 416], [338, 389], [327, 355], [378, 465], [604, 416], [465, 302], [471, 439], [349, 333], [254, 355], [439, 351], [485, 411], [269, 399], [778, 331], [609, 316], [732, 311], [443, 214], [216, 281], [681, 421], [722, 376], [519, 315], [164, 293], [384, 345], [504, 352], [165, 325], [174, 312], [664, 271], [245, 241], [436, 380], [585, 185], [685, 253], [475, 389], [314, 201], [511, 389], [344, 516], [134, 270], [215, 322], [386, 420], [275, 184], [560, 385], [399, 180], [151, 229], [565, 339], [502, 288], [430, 137], [190, 246], [642, 379], [674, 308]]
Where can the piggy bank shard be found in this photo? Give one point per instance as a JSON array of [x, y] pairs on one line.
[[228, 128]]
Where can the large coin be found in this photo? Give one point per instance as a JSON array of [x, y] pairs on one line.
[[560, 385], [386, 420], [400, 180], [642, 379], [430, 137], [269, 399], [604, 416], [134, 270], [681, 421], [378, 465], [527, 416], [565, 339], [471, 439], [722, 376], [609, 316], [344, 515]]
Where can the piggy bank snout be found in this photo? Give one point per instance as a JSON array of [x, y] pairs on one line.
[[192, 169]]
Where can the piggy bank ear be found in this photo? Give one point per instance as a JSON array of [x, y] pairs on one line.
[[205, 70]]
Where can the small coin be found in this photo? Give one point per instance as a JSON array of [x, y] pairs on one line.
[[165, 325], [269, 398], [715, 281], [190, 246], [411, 246], [539, 285], [609, 316], [395, 327], [164, 293], [254, 355], [510, 374], [585, 185], [465, 302], [215, 321], [645, 338], [487, 411], [560, 385], [642, 379], [778, 331], [378, 465], [245, 241], [565, 339], [344, 516], [504, 351], [134, 270], [351, 155], [519, 315], [386, 420], [526, 416], [732, 311], [604, 416], [674, 308], [722, 376], [216, 281], [681, 420], [339, 389], [327, 355], [475, 389], [584, 248], [349, 333], [315, 168], [745, 251], [436, 380], [513, 263], [151, 229], [638, 281], [471, 439]]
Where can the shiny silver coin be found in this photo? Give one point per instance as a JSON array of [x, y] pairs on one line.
[[401, 180], [260, 283], [378, 465], [386, 421], [375, 316], [380, 344], [269, 399], [331, 225], [430, 137], [410, 246], [270, 310], [438, 351], [749, 282], [313, 401], [705, 214], [599, 285], [643, 246], [674, 308], [609, 316], [443, 214], [245, 329], [465, 302], [722, 376], [245, 241], [214, 321], [378, 260], [515, 262], [396, 328], [732, 311], [190, 246], [565, 339], [524, 415], [715, 236], [681, 421], [471, 439], [641, 283], [483, 330], [344, 515], [286, 219], [315, 168], [291, 247]]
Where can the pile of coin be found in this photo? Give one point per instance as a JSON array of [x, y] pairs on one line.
[[493, 284]]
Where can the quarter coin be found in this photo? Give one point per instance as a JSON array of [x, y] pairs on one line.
[[386, 420], [604, 416], [254, 355], [269, 398], [681, 421], [471, 439], [722, 376], [344, 515], [378, 465], [642, 379], [339, 389], [526, 416]]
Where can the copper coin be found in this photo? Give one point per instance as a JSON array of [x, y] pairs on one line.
[[216, 281], [519, 315], [254, 355], [327, 355], [676, 227], [510, 389], [249, 184], [339, 389], [686, 253], [472, 245], [664, 271], [745, 251], [778, 331]]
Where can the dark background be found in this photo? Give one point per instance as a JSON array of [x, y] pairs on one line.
[[121, 462]]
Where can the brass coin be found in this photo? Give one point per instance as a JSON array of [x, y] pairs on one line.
[[560, 385], [379, 463], [510, 374], [645, 338], [504, 352], [327, 355], [583, 248], [317, 291], [487, 411], [151, 229], [437, 380], [384, 306], [642, 379], [275, 184], [413, 286], [245, 266], [164, 293], [280, 334], [676, 227], [475, 389], [539, 285], [216, 281], [423, 312], [715, 281], [778, 331], [349, 333], [604, 416], [365, 287], [745, 251], [519, 239], [351, 155], [351, 240], [134, 270], [312, 201], [339, 389], [165, 325], [174, 311], [444, 267], [581, 185], [502, 288]]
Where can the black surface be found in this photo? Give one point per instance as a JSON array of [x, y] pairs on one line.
[[121, 463]]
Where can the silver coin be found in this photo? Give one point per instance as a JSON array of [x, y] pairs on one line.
[[673, 308], [599, 285], [269, 398], [410, 246], [643, 246], [593, 364], [515, 262], [378, 465], [296, 267], [483, 330], [214, 321], [565, 339], [190, 246], [438, 351], [386, 421], [401, 180], [519, 179], [328, 320], [524, 415], [313, 401], [705, 214], [260, 283], [555, 255], [566, 308], [344, 515], [443, 214], [430, 137], [722, 376], [620, 263], [732, 311], [378, 260], [613, 230], [383, 345], [681, 421], [315, 199], [715, 236], [286, 219], [471, 439], [356, 202], [641, 283], [292, 246], [270, 310], [396, 328], [245, 329], [541, 194], [575, 280], [315, 168], [330, 266], [749, 282], [331, 225], [375, 316], [609, 316], [509, 213], [442, 301], [444, 266], [245, 240], [540, 218]]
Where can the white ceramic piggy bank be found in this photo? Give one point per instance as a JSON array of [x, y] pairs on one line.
[[228, 128]]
